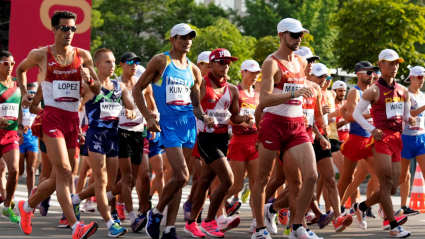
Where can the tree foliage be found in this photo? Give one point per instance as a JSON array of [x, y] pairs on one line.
[[383, 24]]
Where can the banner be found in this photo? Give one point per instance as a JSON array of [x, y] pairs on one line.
[[30, 26]]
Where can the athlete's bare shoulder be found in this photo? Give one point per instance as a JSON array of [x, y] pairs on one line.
[[38, 55]]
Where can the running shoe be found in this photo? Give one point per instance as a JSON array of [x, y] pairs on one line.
[[24, 218], [63, 222], [233, 208], [154, 223], [93, 199], [361, 217], [121, 213], [171, 235], [116, 230], [369, 213], [352, 212], [44, 206], [76, 209], [187, 209], [287, 232], [262, 234], [381, 213], [399, 213], [84, 231], [115, 217], [409, 212], [342, 222], [325, 219], [139, 223], [193, 229], [283, 216], [10, 215], [270, 219], [309, 217], [312, 234], [300, 233], [227, 223], [211, 229], [253, 226], [400, 220], [245, 192], [399, 232], [88, 207]]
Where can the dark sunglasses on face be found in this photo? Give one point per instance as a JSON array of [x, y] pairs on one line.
[[132, 62], [420, 77], [322, 76], [296, 35], [223, 62], [31, 92], [329, 78], [66, 28], [6, 63], [369, 73]]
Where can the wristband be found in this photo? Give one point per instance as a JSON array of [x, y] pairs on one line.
[[292, 94], [202, 116], [20, 126]]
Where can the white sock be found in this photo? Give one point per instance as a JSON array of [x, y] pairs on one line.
[[27, 207], [168, 228], [132, 216], [74, 227], [110, 223], [76, 199], [109, 195], [155, 211]]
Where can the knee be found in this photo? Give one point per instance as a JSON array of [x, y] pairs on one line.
[[387, 182], [228, 182], [159, 174], [65, 176], [263, 180], [145, 177], [330, 182], [310, 178], [127, 178], [30, 171], [182, 178], [13, 173]]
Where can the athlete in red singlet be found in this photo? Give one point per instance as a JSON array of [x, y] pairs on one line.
[[63, 69], [390, 107], [282, 127]]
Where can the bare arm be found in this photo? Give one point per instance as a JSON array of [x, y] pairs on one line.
[[258, 114], [33, 59], [128, 104], [234, 108], [88, 63], [318, 114], [34, 108], [353, 98]]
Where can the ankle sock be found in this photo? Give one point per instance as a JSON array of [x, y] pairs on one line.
[[110, 223], [271, 209], [260, 228], [393, 224], [76, 199], [296, 226], [363, 207]]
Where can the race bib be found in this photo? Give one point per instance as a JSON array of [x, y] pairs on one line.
[[289, 87], [27, 119], [419, 125], [394, 110], [178, 95], [10, 111], [219, 116], [124, 121], [248, 111], [110, 110], [68, 91], [333, 119], [309, 113]]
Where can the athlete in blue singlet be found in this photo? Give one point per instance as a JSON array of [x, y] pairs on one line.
[[176, 83]]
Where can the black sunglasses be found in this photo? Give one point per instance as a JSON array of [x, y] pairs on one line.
[[66, 28], [223, 61], [132, 62], [369, 73], [296, 35]]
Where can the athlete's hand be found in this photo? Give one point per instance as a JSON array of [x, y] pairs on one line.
[[305, 92], [412, 121], [85, 73], [248, 119], [26, 101], [326, 109], [81, 139], [326, 130], [153, 125], [129, 114], [324, 143], [3, 122], [21, 138], [153, 136], [378, 134], [247, 125], [25, 129], [305, 120], [208, 121], [336, 113]]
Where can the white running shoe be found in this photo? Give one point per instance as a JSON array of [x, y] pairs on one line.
[[300, 233], [88, 207], [262, 234], [399, 232], [361, 217], [309, 217], [164, 216], [226, 223], [381, 213], [270, 219], [253, 226], [313, 235]]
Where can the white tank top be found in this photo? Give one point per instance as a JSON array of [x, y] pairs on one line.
[[137, 124], [416, 101]]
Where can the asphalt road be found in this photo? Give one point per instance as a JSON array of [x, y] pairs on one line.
[[46, 227]]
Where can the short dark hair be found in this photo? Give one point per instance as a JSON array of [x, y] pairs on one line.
[[62, 14], [31, 85], [99, 53], [4, 53]]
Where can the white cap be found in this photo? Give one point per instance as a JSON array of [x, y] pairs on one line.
[[204, 57], [251, 66], [305, 52], [319, 69], [415, 71], [139, 72], [339, 85], [182, 29], [389, 55], [290, 25]]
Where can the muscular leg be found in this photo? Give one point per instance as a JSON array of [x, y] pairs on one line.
[[276, 182], [12, 161], [31, 158], [405, 180], [46, 166], [359, 177], [319, 188], [84, 172], [157, 167], [3, 178], [346, 176], [168, 169], [338, 159], [144, 180]]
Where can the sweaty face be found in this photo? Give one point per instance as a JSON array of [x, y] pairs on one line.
[[6, 70], [218, 69], [64, 38], [182, 43], [291, 43], [389, 68], [250, 77], [340, 94], [364, 78], [106, 64]]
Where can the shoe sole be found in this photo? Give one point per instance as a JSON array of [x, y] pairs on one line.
[[346, 223], [231, 225], [141, 226], [189, 232], [408, 235], [121, 234], [3, 216], [20, 225], [234, 211], [411, 214], [359, 217], [206, 232], [91, 231]]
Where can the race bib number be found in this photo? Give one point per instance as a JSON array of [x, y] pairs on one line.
[[419, 125], [124, 121], [289, 87], [110, 110], [27, 119], [68, 91], [394, 110], [178, 95], [248, 111], [219, 116], [309, 113], [10, 111]]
